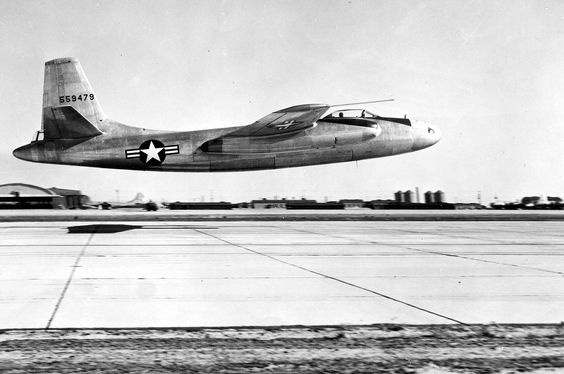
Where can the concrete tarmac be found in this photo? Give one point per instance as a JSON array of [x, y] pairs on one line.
[[240, 214], [188, 274]]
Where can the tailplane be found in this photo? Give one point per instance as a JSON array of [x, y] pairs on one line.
[[70, 107]]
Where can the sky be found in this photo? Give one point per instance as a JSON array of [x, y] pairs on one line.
[[490, 74]]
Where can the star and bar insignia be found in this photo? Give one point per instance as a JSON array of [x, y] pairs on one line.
[[152, 152], [284, 125]]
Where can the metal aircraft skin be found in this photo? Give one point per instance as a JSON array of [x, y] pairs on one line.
[[75, 131]]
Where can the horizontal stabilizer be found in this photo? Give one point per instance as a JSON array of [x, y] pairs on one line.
[[65, 122]]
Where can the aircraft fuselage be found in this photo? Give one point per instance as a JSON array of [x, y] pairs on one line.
[[328, 142], [76, 131]]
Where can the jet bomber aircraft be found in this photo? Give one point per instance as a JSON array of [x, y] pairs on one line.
[[75, 131]]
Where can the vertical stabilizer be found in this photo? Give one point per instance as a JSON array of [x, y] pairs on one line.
[[67, 90]]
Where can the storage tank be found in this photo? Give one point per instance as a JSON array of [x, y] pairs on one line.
[[439, 197], [429, 197], [409, 196], [399, 197]]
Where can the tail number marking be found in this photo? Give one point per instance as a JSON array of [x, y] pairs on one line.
[[73, 98]]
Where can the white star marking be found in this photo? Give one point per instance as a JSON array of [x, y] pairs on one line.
[[152, 152]]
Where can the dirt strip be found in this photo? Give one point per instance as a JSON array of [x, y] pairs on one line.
[[295, 349]]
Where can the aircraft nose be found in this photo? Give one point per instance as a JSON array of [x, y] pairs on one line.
[[425, 135]]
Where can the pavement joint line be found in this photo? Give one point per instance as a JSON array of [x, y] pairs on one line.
[[452, 236], [69, 280], [336, 279], [520, 232], [471, 258], [494, 241], [480, 260], [407, 246], [331, 236], [499, 241]]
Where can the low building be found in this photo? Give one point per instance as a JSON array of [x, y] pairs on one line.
[[380, 204], [352, 203], [73, 199], [465, 206], [314, 205], [220, 205], [269, 203]]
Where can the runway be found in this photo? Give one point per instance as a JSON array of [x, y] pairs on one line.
[[192, 274]]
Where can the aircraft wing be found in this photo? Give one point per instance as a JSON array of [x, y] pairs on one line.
[[289, 120]]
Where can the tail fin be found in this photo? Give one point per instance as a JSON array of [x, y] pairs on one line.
[[70, 107], [138, 199]]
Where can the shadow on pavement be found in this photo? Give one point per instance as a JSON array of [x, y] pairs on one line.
[[101, 229], [108, 228]]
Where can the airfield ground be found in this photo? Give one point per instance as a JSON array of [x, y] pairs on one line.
[[292, 349], [389, 294]]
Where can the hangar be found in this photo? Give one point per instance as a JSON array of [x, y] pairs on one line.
[[27, 196]]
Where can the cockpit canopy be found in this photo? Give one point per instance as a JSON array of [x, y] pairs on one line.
[[352, 113], [355, 116]]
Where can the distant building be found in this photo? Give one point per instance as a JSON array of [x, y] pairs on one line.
[[290, 204], [539, 200], [73, 199], [27, 196], [269, 203], [312, 204], [380, 204], [465, 206], [352, 203], [532, 202], [220, 205]]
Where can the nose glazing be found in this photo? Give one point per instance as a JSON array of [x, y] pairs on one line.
[[425, 135]]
